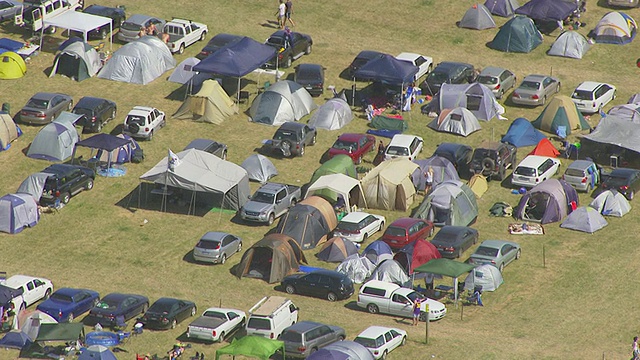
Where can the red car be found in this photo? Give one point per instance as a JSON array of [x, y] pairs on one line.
[[405, 231], [354, 145]]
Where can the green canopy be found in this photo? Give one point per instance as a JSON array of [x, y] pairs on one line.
[[60, 332], [446, 267], [252, 346]]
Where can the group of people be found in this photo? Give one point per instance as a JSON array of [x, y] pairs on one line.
[[5, 314], [284, 13]]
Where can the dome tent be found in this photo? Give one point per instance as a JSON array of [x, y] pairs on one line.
[[332, 115], [281, 102], [521, 133], [309, 222], [211, 104], [443, 170], [615, 28], [504, 8], [487, 276], [271, 259], [77, 61], [550, 201], [570, 44], [478, 17], [259, 168], [586, 219], [449, 203], [459, 121], [560, 111], [337, 249], [357, 268], [12, 66], [518, 35]]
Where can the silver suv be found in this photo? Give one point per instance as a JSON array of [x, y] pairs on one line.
[[305, 337], [143, 121]]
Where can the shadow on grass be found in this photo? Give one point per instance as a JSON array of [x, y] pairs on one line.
[[176, 201]]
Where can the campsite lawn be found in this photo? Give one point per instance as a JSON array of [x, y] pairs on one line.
[[570, 296]]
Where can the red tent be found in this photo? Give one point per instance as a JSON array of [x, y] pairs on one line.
[[415, 254], [545, 148]]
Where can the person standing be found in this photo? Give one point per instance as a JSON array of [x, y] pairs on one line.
[[281, 13], [416, 311], [428, 180], [288, 11], [635, 350], [380, 154]]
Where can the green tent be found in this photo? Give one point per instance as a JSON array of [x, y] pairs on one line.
[[389, 123], [60, 332], [339, 164], [252, 346], [451, 202], [561, 111], [446, 267], [517, 35]]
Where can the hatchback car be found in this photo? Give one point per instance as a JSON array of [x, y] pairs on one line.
[[452, 241], [498, 253], [583, 175], [447, 73], [96, 113], [143, 121], [210, 146], [423, 63], [310, 77], [42, 108], [353, 145], [406, 146], [215, 247], [218, 42], [534, 169], [498, 80], [65, 181], [535, 90], [117, 15], [406, 230], [303, 338], [590, 97], [381, 340], [626, 181], [117, 306], [130, 29], [327, 284], [166, 313], [66, 304], [458, 154], [360, 60], [359, 226]]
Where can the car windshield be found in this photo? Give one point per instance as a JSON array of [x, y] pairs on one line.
[[61, 297], [263, 197], [348, 226], [208, 244], [582, 95], [291, 336], [530, 85], [437, 77], [487, 80], [276, 41], [395, 231], [215, 314], [160, 307], [131, 26], [368, 343], [38, 103], [284, 135], [398, 150], [345, 145], [525, 171], [486, 251]]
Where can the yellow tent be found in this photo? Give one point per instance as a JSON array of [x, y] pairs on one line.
[[561, 111], [211, 104], [12, 66], [478, 185]]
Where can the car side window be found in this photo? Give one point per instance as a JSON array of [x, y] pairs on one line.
[[373, 291], [30, 286], [362, 142], [414, 145], [292, 308], [314, 278], [232, 315], [394, 333], [420, 60], [281, 195], [387, 336], [506, 249], [313, 334], [324, 280]]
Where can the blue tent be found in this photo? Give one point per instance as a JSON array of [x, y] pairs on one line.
[[15, 340], [238, 59], [378, 251], [387, 69], [522, 133], [548, 10]]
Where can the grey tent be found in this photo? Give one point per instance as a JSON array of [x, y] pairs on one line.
[[33, 185], [308, 222], [449, 203], [634, 99], [271, 259], [550, 201], [504, 8], [281, 102], [15, 339], [337, 249], [390, 271], [211, 104], [332, 115], [616, 131], [629, 112], [78, 61], [475, 97], [611, 203], [459, 121], [183, 73], [443, 170], [350, 349], [357, 268], [586, 219], [570, 44], [259, 168], [487, 276], [518, 35], [18, 211], [97, 352], [478, 17], [56, 141], [139, 62], [378, 251]]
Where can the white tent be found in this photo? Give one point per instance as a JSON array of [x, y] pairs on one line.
[[259, 168], [459, 120], [487, 276], [79, 21], [281, 102], [332, 115], [611, 203], [183, 73], [357, 268], [346, 186]]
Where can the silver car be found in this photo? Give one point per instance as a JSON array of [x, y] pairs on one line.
[[583, 175], [498, 253], [131, 28], [498, 80], [535, 90], [42, 108], [215, 247], [305, 337]]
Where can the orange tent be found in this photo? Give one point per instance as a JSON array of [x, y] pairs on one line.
[[545, 148]]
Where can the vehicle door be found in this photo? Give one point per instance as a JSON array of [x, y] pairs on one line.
[[226, 245], [325, 336], [82, 303], [401, 306], [466, 240], [6, 10], [369, 225], [603, 95], [508, 253], [507, 80], [309, 284], [393, 338], [548, 85], [181, 310], [74, 181], [280, 204], [362, 146], [307, 135], [31, 293], [299, 45], [325, 286], [150, 121], [233, 319], [127, 308]]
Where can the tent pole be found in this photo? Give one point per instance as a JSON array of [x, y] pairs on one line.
[[353, 92], [239, 90]]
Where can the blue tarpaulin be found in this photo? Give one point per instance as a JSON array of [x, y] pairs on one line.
[[238, 59], [387, 69], [548, 10]]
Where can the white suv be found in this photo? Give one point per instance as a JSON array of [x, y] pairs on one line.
[[590, 96], [143, 121], [534, 169], [406, 146], [23, 290]]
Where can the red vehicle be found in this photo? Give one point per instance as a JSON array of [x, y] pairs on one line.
[[406, 230], [354, 145]]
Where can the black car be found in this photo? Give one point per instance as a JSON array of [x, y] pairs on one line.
[[362, 58], [97, 112], [65, 181], [117, 307], [492, 159], [218, 42], [289, 48], [452, 241], [327, 284], [448, 73], [624, 180], [166, 313], [292, 138], [311, 77], [210, 146], [116, 14], [459, 155]]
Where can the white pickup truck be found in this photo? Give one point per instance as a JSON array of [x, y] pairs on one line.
[[23, 291], [183, 33], [216, 323]]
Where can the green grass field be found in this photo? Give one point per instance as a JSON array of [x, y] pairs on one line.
[[579, 301]]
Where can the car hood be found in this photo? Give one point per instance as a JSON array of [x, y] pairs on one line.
[[433, 305], [256, 206]]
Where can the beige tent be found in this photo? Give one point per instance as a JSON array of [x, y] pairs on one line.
[[388, 186], [478, 185], [8, 131], [211, 104], [343, 185]]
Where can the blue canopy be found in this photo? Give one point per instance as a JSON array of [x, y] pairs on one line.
[[522, 133], [388, 69], [237, 60], [104, 141], [548, 10]]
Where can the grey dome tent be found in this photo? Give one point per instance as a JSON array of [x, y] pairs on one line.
[[17, 212], [449, 203], [504, 8], [281, 102], [211, 104], [570, 44], [357, 268], [378, 251], [390, 271], [475, 97], [56, 141], [634, 99], [518, 35], [478, 17], [459, 121], [629, 112], [332, 115], [586, 219], [271, 259], [342, 350], [550, 201], [487, 276], [337, 249], [259, 168], [611, 203], [77, 61], [309, 222], [443, 170]]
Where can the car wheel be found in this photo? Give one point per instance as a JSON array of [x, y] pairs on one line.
[[359, 160], [272, 218], [458, 253], [331, 296], [223, 259], [307, 51], [373, 308], [70, 318], [99, 127], [96, 302], [301, 152], [193, 311], [69, 106], [500, 94], [224, 155], [544, 100], [558, 88], [239, 247], [113, 114], [404, 341], [613, 97], [288, 63], [65, 198], [174, 323], [381, 226], [340, 338], [144, 308], [89, 185], [293, 202], [181, 49], [384, 355], [23, 307], [518, 254], [290, 289], [150, 135], [221, 337], [313, 139], [501, 268], [422, 316], [47, 294], [365, 237], [630, 195], [203, 36]]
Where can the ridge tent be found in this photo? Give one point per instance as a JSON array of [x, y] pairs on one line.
[[9, 131], [611, 203], [339, 164], [259, 168], [504, 8], [12, 66], [342, 350], [308, 222], [271, 259], [615, 27], [478, 17], [415, 254], [390, 271], [337, 249], [18, 211], [211, 104], [487, 276], [545, 148], [459, 121], [629, 112], [478, 184], [586, 219], [252, 346], [77, 61], [333, 185], [550, 201], [451, 202], [377, 252], [475, 97], [560, 111], [388, 186], [97, 352], [357, 268], [281, 102], [56, 141], [332, 115], [443, 170], [570, 44], [522, 133], [518, 35], [548, 10]]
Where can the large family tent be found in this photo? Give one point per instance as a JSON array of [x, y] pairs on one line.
[[12, 66], [18, 211], [259, 168], [211, 104], [570, 44], [478, 17], [518, 35], [521, 133], [585, 219], [357, 268], [309, 222], [77, 61], [333, 185], [611, 203], [281, 102], [139, 62], [545, 148], [9, 131], [459, 121], [97, 352], [629, 112], [337, 249], [415, 254], [332, 115], [443, 170], [389, 187], [560, 111], [475, 97], [271, 259], [57, 140], [548, 10], [377, 252], [253, 347], [449, 203], [615, 131], [615, 28], [550, 201], [504, 8], [390, 271], [339, 164], [488, 276], [342, 350]]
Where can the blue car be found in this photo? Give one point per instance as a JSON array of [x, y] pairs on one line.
[[66, 303], [115, 306]]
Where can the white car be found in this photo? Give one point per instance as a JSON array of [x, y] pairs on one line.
[[24, 291], [215, 324], [183, 33], [380, 340], [401, 145], [533, 170], [590, 96], [423, 63], [359, 226], [143, 121]]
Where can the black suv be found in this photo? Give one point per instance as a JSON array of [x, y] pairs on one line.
[[65, 181], [116, 14], [289, 48], [291, 139], [493, 159], [448, 73], [97, 112], [327, 284]]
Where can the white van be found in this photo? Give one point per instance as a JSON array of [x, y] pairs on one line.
[[533, 170], [270, 316], [35, 12]]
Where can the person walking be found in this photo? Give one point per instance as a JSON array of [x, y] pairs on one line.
[[288, 11], [635, 350], [416, 311], [380, 154], [281, 13], [428, 180]]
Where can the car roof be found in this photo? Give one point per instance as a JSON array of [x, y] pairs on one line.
[[451, 147], [387, 286], [589, 85], [402, 139], [580, 164], [351, 136], [44, 96], [535, 77], [449, 65], [60, 168], [140, 110], [407, 56], [308, 67], [291, 125], [452, 229], [374, 331], [405, 222], [533, 160], [118, 296], [166, 300], [355, 217], [623, 172], [70, 291], [368, 54], [492, 71], [490, 145], [199, 144], [138, 19], [96, 9], [214, 236], [181, 21], [89, 101], [496, 243], [330, 273], [227, 37], [18, 280], [303, 326]]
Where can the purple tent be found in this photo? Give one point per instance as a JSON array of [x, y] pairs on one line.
[[548, 10], [550, 201], [443, 170], [18, 211]]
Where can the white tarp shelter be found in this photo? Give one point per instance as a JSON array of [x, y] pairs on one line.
[[346, 186], [79, 21]]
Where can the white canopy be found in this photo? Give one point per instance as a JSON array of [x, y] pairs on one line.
[[343, 185], [79, 21]]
